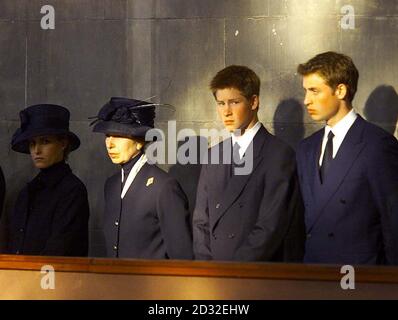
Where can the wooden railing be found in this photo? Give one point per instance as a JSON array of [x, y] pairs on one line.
[[375, 274], [246, 280]]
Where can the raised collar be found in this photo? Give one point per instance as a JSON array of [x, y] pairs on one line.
[[49, 177], [126, 167]]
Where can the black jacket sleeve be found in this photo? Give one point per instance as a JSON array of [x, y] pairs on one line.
[[2, 191], [172, 207]]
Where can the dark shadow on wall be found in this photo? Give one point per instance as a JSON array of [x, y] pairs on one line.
[[381, 107], [288, 122], [188, 174]]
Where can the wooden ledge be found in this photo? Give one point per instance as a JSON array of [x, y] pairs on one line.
[[271, 271]]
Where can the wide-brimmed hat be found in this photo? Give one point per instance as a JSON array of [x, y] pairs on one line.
[[40, 120], [125, 117]]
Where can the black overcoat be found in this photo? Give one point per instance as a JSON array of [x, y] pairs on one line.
[[51, 215], [2, 191], [152, 220]]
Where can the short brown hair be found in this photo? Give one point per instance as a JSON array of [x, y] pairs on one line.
[[239, 77], [335, 68]]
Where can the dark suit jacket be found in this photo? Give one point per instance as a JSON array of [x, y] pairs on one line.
[[254, 217], [152, 220], [51, 215], [347, 218]]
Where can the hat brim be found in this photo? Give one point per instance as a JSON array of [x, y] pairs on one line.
[[120, 129], [21, 142]]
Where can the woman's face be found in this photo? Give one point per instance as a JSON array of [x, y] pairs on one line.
[[121, 149], [47, 150]]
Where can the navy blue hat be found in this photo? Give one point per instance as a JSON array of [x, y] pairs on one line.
[[125, 117], [39, 120]]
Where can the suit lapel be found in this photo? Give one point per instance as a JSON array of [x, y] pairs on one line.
[[223, 171], [313, 155], [314, 178], [140, 183], [238, 182], [345, 158]]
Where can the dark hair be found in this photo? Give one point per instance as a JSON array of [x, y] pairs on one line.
[[68, 148], [238, 77], [335, 68], [140, 140]]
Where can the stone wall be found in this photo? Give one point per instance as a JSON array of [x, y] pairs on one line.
[[170, 49]]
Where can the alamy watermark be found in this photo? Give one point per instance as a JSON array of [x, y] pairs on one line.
[[47, 281], [348, 20], [48, 20], [193, 150], [348, 280]]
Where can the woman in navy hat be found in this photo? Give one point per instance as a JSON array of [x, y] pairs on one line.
[[51, 214], [146, 211]]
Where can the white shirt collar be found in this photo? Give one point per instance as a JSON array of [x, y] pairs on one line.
[[245, 139], [341, 128]]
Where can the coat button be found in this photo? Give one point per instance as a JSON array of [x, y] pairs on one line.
[[342, 201], [21, 230], [231, 236], [308, 235], [115, 248], [116, 223], [218, 206], [17, 252]]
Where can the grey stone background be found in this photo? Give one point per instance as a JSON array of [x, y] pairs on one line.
[[170, 49]]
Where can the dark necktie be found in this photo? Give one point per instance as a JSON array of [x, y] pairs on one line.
[[327, 157], [236, 160]]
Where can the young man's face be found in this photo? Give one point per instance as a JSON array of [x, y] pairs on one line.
[[321, 100], [47, 150], [235, 110], [121, 149]]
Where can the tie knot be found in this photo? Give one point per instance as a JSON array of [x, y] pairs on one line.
[[235, 153], [236, 146], [330, 135]]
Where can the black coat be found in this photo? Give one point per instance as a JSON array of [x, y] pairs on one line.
[[2, 191], [254, 217], [51, 215], [152, 220]]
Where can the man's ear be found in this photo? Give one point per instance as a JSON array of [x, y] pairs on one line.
[[341, 91], [255, 102], [139, 146], [65, 143]]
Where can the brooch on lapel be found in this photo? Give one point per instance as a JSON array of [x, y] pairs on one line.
[[149, 181]]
